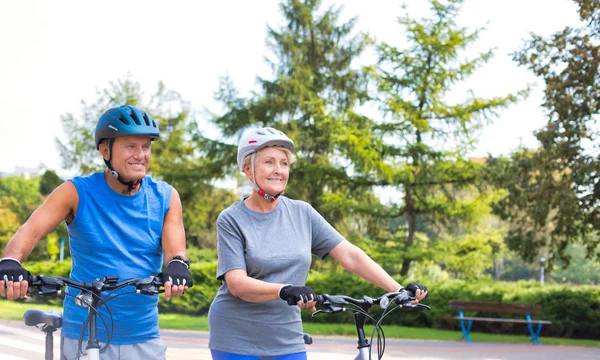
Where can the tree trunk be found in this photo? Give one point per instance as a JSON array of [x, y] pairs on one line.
[[411, 221]]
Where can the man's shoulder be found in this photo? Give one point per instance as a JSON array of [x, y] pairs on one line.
[[161, 185], [87, 179]]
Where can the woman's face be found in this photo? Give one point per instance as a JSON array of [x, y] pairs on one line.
[[271, 170]]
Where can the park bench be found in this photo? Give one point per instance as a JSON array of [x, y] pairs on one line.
[[494, 307]]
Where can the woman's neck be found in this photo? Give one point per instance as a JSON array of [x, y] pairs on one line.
[[259, 204]]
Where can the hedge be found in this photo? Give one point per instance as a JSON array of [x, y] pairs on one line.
[[573, 310]]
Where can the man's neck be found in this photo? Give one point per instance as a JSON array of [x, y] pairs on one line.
[[117, 186]]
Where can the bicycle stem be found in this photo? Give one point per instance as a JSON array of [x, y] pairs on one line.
[[359, 320]]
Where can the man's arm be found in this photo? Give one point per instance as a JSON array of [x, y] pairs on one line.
[[61, 204], [173, 240]]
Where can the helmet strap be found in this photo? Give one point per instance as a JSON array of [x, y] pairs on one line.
[[131, 185], [255, 186]]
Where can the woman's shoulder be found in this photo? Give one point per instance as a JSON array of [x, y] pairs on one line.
[[231, 210], [300, 205]]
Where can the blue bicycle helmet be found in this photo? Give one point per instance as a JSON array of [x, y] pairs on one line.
[[122, 121]]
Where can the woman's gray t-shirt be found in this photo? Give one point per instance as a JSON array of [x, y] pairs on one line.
[[274, 247]]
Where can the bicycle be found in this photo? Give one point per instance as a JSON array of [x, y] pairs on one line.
[[360, 307], [91, 298]]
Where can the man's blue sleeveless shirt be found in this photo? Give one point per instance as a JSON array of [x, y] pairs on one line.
[[114, 234]]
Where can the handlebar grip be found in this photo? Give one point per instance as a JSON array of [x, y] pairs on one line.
[[320, 299]]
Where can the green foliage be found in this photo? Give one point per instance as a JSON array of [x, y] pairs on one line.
[[422, 137], [554, 191], [48, 182], [9, 223], [579, 270], [21, 195], [468, 256], [310, 96]]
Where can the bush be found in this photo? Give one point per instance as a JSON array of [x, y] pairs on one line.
[[573, 310]]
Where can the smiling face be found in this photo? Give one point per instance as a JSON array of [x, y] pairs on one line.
[[130, 156], [271, 170]]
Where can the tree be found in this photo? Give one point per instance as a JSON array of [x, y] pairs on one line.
[[554, 191], [19, 197], [422, 137], [310, 97], [9, 223], [49, 182]]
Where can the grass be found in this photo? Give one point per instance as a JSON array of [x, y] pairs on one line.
[[14, 311]]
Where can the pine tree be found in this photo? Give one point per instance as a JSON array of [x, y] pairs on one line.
[[310, 97], [422, 137]]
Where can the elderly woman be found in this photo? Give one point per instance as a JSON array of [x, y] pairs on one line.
[[265, 243]]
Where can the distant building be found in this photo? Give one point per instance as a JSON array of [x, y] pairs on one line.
[[27, 172]]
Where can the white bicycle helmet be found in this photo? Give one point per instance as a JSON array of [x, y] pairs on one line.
[[256, 139]]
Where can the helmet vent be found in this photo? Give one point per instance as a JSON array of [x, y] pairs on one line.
[[136, 119], [146, 120], [123, 119]]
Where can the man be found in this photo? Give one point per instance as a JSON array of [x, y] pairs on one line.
[[120, 222]]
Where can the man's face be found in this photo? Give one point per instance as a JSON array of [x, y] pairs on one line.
[[130, 156]]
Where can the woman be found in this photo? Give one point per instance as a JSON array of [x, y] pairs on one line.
[[265, 243]]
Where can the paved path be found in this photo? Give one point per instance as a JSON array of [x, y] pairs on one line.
[[18, 342]]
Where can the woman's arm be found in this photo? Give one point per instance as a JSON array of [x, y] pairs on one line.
[[250, 289], [355, 260]]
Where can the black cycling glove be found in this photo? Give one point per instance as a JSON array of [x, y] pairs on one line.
[[413, 287], [293, 294], [11, 270], [177, 273]]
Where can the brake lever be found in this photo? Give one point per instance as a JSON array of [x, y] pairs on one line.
[[424, 306], [148, 286], [41, 285], [330, 309]]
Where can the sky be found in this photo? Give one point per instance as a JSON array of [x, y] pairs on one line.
[[56, 54]]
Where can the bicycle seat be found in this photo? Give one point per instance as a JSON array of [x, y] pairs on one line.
[[34, 317]]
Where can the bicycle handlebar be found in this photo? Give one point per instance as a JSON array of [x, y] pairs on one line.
[[51, 285], [336, 303]]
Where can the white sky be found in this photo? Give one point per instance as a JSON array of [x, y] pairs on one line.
[[57, 53]]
